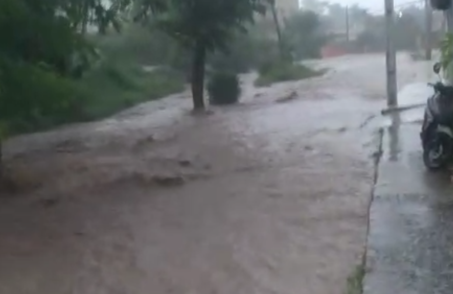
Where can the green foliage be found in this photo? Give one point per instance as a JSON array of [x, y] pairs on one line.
[[302, 33], [49, 31], [52, 72], [50, 100], [33, 97], [224, 88], [246, 52], [446, 51], [202, 27], [145, 45], [142, 45], [42, 51], [284, 71], [354, 283], [408, 29], [50, 69], [112, 87], [209, 21]]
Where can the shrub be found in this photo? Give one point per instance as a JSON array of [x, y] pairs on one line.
[[245, 52], [114, 86], [49, 100], [139, 45], [303, 33], [223, 88], [36, 98], [272, 72], [267, 66]]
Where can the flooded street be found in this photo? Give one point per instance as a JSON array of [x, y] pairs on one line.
[[268, 196]]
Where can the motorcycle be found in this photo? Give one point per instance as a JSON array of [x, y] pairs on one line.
[[437, 128]]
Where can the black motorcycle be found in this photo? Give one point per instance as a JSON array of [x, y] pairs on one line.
[[437, 129]]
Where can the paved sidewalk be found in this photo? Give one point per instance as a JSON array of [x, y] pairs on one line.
[[410, 242]]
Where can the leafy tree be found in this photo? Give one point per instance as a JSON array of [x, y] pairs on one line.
[[46, 45], [246, 52], [201, 26], [407, 31], [42, 49], [316, 6], [304, 35], [446, 55], [278, 30], [50, 32], [408, 28]]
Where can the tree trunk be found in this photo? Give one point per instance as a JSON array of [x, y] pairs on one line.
[[198, 73], [279, 31]]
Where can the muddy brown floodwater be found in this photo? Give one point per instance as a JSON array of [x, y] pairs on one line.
[[268, 196]]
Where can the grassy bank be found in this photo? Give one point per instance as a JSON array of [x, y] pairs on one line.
[[282, 72], [36, 99], [110, 88], [119, 81], [49, 100]]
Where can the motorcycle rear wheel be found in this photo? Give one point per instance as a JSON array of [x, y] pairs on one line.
[[436, 154]]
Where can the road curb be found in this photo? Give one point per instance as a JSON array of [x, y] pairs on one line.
[[377, 155]]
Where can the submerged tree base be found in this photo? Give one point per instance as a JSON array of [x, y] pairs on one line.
[[283, 72]]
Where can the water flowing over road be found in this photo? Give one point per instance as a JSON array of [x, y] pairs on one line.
[[268, 196]]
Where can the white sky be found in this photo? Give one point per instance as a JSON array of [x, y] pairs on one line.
[[374, 5]]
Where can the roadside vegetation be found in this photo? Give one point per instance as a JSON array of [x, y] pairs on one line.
[[112, 87], [355, 281], [446, 55], [285, 71], [299, 37], [223, 88], [87, 62]]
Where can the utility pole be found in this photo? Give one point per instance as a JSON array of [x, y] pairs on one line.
[[392, 100], [347, 23], [449, 17], [428, 30]]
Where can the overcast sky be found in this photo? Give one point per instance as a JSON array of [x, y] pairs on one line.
[[374, 5]]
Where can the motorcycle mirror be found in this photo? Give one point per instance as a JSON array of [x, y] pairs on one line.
[[437, 67]]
